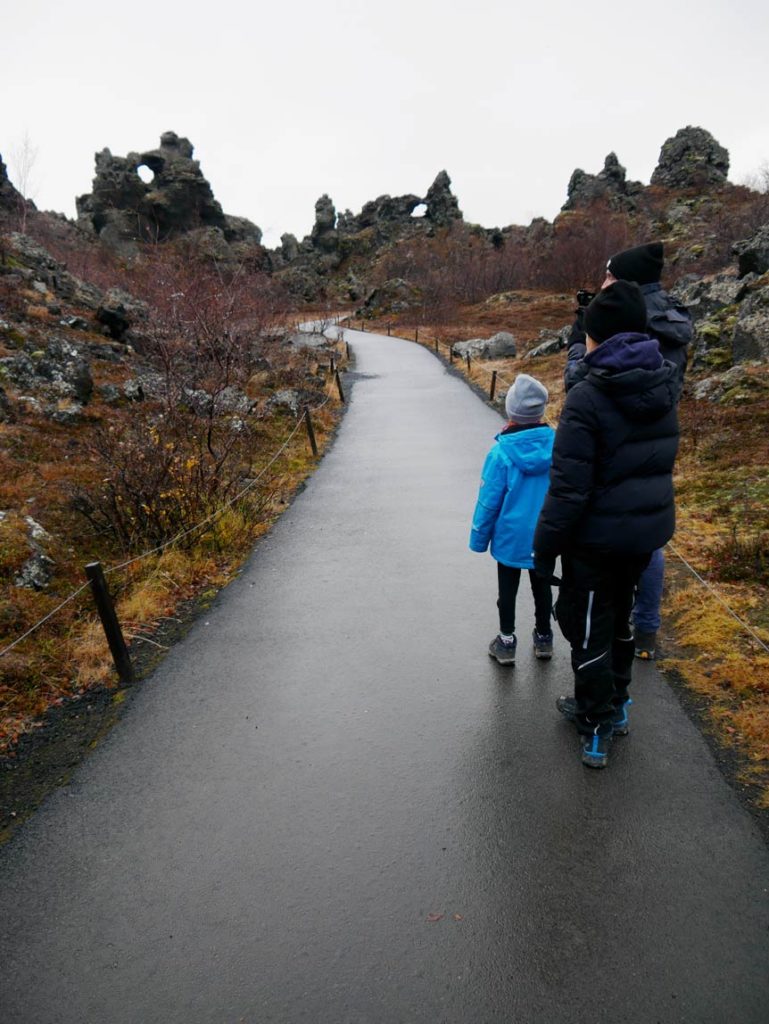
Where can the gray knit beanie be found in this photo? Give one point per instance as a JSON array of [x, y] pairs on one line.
[[526, 400]]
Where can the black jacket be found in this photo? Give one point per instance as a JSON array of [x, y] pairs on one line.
[[667, 321], [611, 486]]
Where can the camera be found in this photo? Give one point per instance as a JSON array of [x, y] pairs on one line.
[[584, 298]]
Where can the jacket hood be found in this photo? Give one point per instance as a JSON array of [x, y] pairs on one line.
[[530, 450], [630, 369], [626, 352]]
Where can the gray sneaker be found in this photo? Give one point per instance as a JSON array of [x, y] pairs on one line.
[[543, 645], [503, 652]]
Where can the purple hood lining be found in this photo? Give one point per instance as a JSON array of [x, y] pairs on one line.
[[629, 351]]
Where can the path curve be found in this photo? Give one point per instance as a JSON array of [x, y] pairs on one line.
[[329, 805]]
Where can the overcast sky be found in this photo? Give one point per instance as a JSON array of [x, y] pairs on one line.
[[286, 100]]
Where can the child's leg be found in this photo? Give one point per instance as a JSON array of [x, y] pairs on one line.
[[543, 603], [509, 579]]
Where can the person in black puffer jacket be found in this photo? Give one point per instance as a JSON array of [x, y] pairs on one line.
[[671, 324], [667, 321], [609, 506]]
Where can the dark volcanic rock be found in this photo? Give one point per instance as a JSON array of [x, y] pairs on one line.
[[122, 208], [691, 159], [119, 311], [753, 253], [10, 199], [442, 204], [705, 296], [751, 332], [609, 184], [383, 212], [324, 235]]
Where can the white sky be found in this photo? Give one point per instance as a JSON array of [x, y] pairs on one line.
[[285, 101]]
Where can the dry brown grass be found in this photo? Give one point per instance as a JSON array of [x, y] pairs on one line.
[[42, 461]]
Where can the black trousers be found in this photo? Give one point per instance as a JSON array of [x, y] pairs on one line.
[[509, 579], [593, 611]]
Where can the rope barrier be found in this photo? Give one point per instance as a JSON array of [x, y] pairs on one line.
[[173, 540], [50, 615], [718, 597]]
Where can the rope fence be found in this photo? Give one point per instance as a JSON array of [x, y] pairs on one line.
[[97, 574]]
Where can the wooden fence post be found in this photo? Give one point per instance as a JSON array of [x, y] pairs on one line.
[[468, 362], [493, 389], [416, 334], [339, 386], [109, 621], [310, 431]]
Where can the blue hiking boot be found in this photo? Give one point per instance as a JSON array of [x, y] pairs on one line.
[[595, 746], [620, 720]]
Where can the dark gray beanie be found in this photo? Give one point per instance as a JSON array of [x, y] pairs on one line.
[[526, 400]]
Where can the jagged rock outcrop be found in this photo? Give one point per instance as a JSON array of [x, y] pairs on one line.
[[9, 197], [609, 184], [122, 209], [324, 236], [307, 268], [753, 253], [386, 210], [442, 204], [691, 159]]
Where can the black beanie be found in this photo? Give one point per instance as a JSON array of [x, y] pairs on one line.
[[643, 264], [617, 309]]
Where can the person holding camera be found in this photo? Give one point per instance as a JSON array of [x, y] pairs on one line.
[[609, 505], [671, 325]]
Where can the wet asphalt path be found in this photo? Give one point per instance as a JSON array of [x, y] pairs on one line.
[[328, 804]]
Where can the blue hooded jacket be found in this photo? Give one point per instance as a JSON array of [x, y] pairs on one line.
[[513, 488]]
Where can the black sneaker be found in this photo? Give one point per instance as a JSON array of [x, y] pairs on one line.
[[502, 650], [645, 645], [568, 707], [543, 645], [595, 746]]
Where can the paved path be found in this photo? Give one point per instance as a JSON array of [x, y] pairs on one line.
[[330, 760]]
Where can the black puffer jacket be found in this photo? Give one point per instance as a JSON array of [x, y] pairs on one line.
[[611, 486], [667, 321]]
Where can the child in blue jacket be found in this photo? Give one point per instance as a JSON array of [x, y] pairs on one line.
[[513, 487]]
